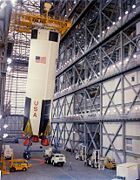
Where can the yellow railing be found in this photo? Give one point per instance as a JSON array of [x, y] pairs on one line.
[[25, 22]]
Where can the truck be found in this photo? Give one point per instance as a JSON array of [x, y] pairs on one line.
[[58, 159], [54, 157], [8, 151], [19, 165]]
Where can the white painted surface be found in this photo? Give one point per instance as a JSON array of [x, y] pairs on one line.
[[41, 76], [128, 170]]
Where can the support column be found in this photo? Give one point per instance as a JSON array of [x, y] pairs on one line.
[[101, 139]]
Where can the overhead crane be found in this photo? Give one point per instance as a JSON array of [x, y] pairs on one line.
[[25, 22]]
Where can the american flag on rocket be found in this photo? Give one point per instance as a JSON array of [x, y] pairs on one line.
[[39, 59]]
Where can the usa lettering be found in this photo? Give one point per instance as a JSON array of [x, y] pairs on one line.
[[35, 108]]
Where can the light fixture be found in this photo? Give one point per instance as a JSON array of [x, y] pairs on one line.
[[127, 59], [0, 116], [9, 69], [98, 35], [3, 5], [119, 18], [128, 109], [13, 1], [134, 6], [136, 108], [126, 12], [113, 23], [9, 60], [5, 135], [134, 56], [103, 32], [108, 27], [5, 126]]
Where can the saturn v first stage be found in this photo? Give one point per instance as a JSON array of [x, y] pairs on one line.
[[40, 83]]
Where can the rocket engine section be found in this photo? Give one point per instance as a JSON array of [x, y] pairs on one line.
[[40, 83]]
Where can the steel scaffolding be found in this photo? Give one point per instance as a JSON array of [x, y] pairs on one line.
[[97, 79], [15, 88], [16, 78]]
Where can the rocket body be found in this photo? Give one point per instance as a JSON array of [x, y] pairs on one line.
[[40, 81]]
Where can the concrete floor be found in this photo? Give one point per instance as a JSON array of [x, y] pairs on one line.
[[42, 171]]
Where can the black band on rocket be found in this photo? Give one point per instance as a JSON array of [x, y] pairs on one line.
[[27, 111], [45, 114]]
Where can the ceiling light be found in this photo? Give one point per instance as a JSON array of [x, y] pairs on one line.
[[3, 5], [134, 56], [108, 27], [119, 18], [9, 60], [5, 135], [13, 1], [5, 126], [126, 12], [128, 109], [134, 6], [113, 23], [9, 69]]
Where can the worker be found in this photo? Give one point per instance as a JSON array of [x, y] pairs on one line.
[[70, 165]]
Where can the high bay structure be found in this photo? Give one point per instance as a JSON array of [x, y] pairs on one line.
[[96, 99]]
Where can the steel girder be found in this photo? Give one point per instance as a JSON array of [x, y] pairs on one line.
[[69, 135], [92, 67], [87, 102]]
